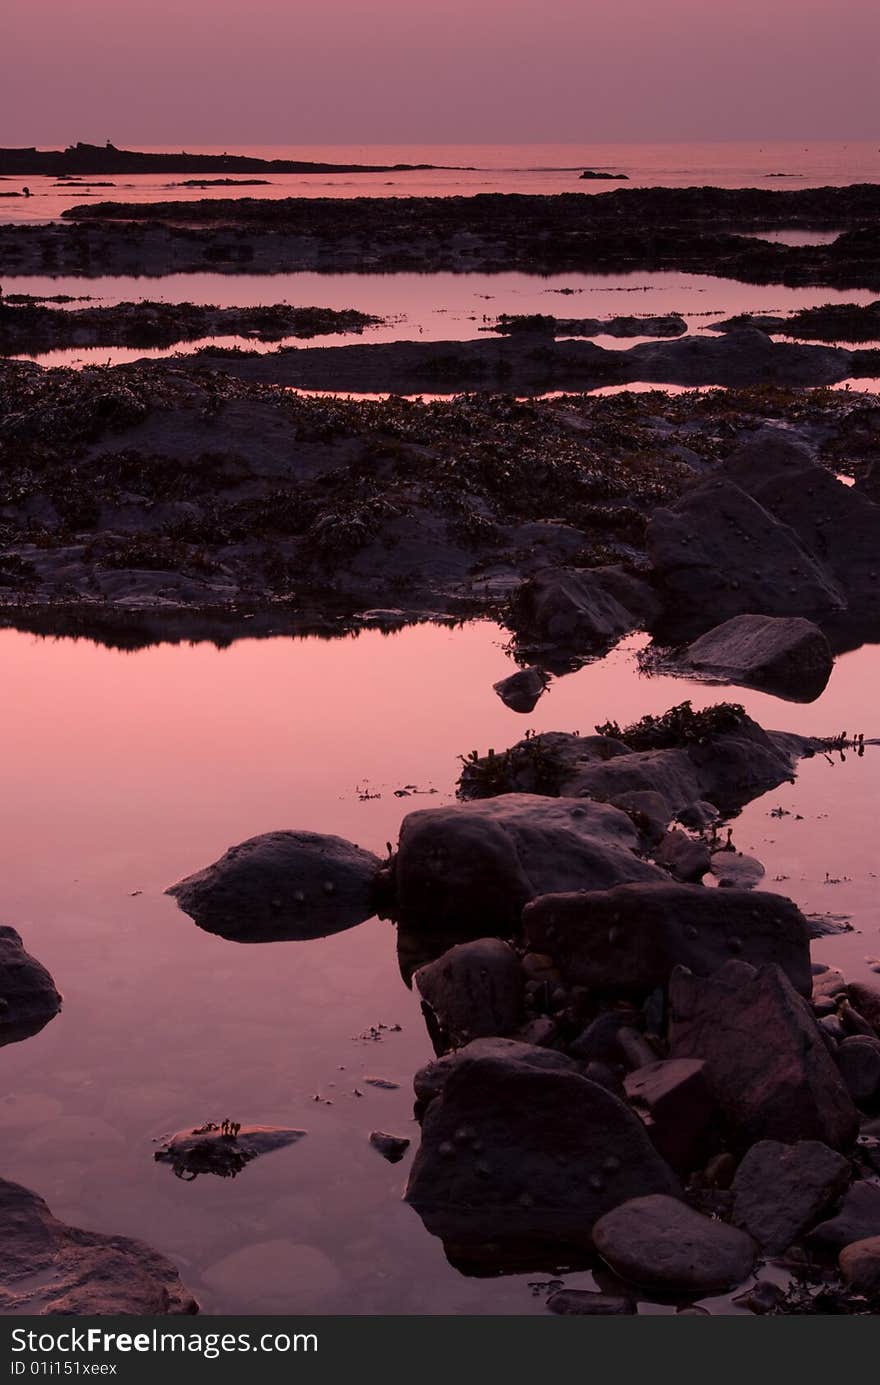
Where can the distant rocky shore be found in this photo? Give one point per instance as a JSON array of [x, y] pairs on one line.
[[79, 159]]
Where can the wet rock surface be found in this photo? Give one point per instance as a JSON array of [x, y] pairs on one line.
[[282, 885], [473, 991], [788, 656], [28, 998], [52, 1269], [661, 1242], [222, 1149]]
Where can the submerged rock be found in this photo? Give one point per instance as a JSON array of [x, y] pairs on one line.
[[48, 1268], [630, 938], [515, 1154], [474, 865], [857, 1218], [475, 990], [28, 998], [282, 885], [767, 1065], [583, 1303], [785, 655], [662, 1243], [780, 1190], [223, 1149], [522, 691]]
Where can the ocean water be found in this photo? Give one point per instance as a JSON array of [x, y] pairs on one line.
[[477, 168]]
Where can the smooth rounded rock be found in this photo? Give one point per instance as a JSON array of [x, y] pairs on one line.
[[662, 1243]]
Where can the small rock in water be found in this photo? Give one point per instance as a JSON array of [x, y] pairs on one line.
[[391, 1147], [734, 871], [382, 1083], [763, 1297], [780, 1190], [584, 1303], [857, 1218], [221, 1149], [29, 997]]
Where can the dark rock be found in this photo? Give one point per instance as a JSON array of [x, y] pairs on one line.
[[860, 1265], [866, 1001], [282, 885], [662, 1243], [511, 1153], [857, 1218], [474, 991], [780, 1190], [391, 1147], [734, 871], [48, 1268], [28, 998], [649, 811], [766, 1063], [698, 815], [430, 1080], [718, 554], [629, 938], [858, 1058], [762, 1297], [720, 1171], [686, 858], [522, 691], [785, 655], [583, 1303], [673, 1101], [581, 609], [599, 1042], [220, 1150], [475, 865]]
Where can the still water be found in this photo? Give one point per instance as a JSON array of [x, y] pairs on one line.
[[125, 771]]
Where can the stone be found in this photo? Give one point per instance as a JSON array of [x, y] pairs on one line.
[[51, 1269], [522, 691], [766, 1063], [686, 858], [28, 998], [784, 655], [718, 553], [282, 885], [763, 1297], [866, 1000], [629, 939], [584, 1303], [599, 1042], [214, 1149], [858, 1059], [391, 1147], [672, 1099], [474, 865], [582, 609], [780, 1190], [860, 1265], [649, 811], [474, 991], [662, 1243], [734, 871], [430, 1080], [516, 1154], [698, 815], [857, 1218]]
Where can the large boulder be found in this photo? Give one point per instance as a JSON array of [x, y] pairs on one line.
[[581, 609], [629, 939], [221, 1149], [282, 885], [28, 998], [515, 1154], [718, 553], [662, 1243], [767, 1065], [430, 1080], [780, 1190], [48, 1268], [743, 357], [475, 990], [785, 655], [474, 865]]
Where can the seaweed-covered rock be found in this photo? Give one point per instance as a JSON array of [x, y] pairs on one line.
[[474, 865], [282, 885], [662, 1243], [856, 1219], [475, 990], [785, 655], [512, 1153], [221, 1149], [28, 998], [629, 938], [48, 1268], [767, 1065]]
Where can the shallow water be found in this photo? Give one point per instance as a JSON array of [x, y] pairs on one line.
[[429, 307], [525, 168], [125, 771]]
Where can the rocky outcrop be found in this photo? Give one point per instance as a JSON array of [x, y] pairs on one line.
[[630, 938], [28, 998], [785, 655], [52, 1269], [512, 1153], [474, 865], [522, 691], [767, 1065], [660, 1242], [282, 885]]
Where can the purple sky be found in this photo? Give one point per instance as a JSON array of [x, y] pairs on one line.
[[407, 71]]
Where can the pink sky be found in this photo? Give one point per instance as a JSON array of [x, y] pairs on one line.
[[405, 71]]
